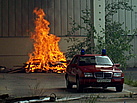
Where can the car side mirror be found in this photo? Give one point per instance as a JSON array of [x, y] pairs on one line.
[[117, 65]]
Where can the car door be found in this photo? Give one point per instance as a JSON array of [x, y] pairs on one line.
[[72, 69]]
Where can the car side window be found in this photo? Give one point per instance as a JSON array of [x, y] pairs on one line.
[[87, 60]]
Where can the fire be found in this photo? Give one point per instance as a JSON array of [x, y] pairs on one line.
[[46, 55]]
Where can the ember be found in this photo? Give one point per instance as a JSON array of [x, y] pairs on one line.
[[46, 55]]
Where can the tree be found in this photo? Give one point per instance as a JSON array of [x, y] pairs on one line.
[[117, 39], [87, 43]]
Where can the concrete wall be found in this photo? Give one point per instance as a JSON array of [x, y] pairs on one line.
[[133, 62], [17, 17], [17, 23], [14, 51]]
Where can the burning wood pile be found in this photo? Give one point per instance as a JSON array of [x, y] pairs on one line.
[[46, 55]]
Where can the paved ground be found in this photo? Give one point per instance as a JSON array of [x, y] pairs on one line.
[[22, 84]]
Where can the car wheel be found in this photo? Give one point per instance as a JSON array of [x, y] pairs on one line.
[[119, 88], [68, 84], [79, 86]]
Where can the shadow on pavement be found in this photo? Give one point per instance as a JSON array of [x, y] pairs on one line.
[[88, 90]]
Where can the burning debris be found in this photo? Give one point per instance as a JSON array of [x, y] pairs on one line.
[[46, 55]]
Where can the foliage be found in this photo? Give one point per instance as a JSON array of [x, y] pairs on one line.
[[89, 30], [112, 8], [118, 42], [90, 99], [130, 82], [117, 39]]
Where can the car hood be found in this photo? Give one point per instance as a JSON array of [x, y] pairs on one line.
[[99, 68]]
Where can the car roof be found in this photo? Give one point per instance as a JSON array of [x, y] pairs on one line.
[[91, 55]]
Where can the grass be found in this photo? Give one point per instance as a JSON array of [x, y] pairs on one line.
[[90, 99], [130, 82]]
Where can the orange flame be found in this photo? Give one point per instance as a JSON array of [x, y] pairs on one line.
[[46, 48]]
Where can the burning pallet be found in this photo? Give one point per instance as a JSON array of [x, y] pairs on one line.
[[46, 55]]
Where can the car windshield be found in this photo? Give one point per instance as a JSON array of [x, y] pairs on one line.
[[94, 60], [103, 60]]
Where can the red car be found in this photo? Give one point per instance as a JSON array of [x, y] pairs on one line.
[[95, 70]]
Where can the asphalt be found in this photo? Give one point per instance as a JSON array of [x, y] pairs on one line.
[[20, 84]]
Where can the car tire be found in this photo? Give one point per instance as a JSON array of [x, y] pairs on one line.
[[119, 88], [68, 84], [79, 86]]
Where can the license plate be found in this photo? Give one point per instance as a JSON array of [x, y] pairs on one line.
[[103, 80]]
